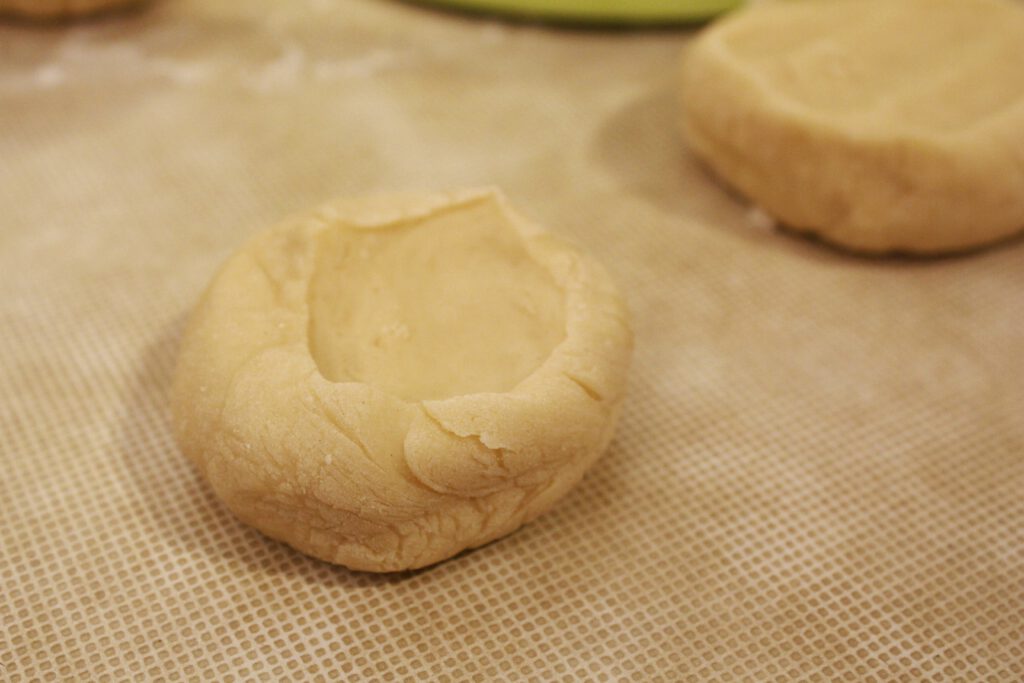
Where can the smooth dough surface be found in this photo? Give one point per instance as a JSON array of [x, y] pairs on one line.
[[388, 381], [880, 125], [60, 9]]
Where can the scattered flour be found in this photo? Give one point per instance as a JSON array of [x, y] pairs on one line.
[[761, 220]]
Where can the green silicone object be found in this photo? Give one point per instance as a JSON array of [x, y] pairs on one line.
[[600, 11]]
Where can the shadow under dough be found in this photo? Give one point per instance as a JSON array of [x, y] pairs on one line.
[[642, 148]]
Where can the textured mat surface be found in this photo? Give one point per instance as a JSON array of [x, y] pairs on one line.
[[819, 473]]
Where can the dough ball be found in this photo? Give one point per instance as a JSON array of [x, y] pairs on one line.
[[60, 9], [880, 125], [388, 381]]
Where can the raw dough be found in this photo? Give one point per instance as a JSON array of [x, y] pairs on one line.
[[881, 125], [60, 9], [388, 381]]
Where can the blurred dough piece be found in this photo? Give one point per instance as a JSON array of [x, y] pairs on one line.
[[388, 381], [60, 9], [880, 125]]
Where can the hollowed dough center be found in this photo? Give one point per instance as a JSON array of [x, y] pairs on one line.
[[442, 306]]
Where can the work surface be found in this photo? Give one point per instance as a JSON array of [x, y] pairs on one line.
[[819, 472]]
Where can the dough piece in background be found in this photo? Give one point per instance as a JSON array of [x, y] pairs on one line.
[[55, 10], [388, 381], [879, 125]]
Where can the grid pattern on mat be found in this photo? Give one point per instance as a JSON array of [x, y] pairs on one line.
[[819, 474]]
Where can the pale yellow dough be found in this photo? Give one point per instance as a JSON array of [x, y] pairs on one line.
[[388, 381], [60, 9], [880, 125]]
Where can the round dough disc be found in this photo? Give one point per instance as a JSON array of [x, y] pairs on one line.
[[880, 125], [60, 9], [388, 381]]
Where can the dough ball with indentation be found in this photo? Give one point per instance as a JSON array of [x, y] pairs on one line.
[[388, 381], [879, 125], [60, 9]]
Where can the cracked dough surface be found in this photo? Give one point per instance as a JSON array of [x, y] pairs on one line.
[[60, 9], [879, 125], [388, 381]]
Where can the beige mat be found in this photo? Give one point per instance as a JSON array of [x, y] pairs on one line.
[[819, 474]]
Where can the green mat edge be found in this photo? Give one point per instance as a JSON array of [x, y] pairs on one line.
[[596, 11]]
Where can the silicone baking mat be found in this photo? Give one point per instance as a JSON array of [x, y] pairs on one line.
[[819, 473]]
